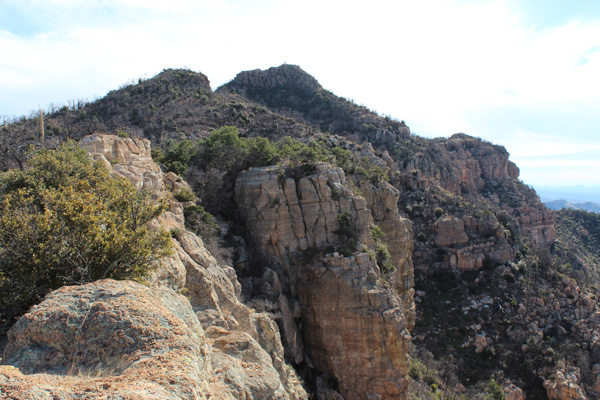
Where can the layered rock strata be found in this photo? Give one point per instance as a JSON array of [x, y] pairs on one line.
[[355, 326]]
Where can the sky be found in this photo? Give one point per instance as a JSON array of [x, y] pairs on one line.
[[521, 73]]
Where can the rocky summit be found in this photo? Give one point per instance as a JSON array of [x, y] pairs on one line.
[[318, 251]]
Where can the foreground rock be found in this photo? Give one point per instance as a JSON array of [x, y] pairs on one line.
[[123, 340], [118, 339]]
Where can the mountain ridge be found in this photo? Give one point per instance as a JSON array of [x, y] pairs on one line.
[[560, 204], [484, 259]]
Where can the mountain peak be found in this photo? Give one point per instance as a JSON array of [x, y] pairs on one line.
[[183, 77], [287, 77]]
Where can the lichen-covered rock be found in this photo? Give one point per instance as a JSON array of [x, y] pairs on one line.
[[111, 339], [122, 340]]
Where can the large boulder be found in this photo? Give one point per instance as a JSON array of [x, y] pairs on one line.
[[109, 338]]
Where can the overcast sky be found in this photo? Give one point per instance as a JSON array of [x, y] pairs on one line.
[[521, 73]]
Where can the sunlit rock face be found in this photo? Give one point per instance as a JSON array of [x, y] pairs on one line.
[[355, 325]]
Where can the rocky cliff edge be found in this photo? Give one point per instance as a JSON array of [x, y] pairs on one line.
[[353, 316]]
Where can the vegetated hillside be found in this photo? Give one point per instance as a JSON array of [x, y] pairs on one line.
[[496, 302], [578, 242], [175, 104]]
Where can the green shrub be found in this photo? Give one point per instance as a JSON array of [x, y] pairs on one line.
[[184, 195], [377, 175], [383, 258], [376, 233], [224, 149], [348, 233], [438, 212], [178, 156], [199, 221], [382, 253], [494, 391], [420, 372], [158, 154], [66, 220]]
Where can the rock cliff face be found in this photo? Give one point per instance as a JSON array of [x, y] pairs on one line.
[[465, 200], [355, 326], [565, 386], [215, 345]]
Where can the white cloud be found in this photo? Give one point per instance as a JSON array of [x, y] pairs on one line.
[[527, 145]]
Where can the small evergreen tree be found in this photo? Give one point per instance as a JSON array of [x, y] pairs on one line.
[[66, 220]]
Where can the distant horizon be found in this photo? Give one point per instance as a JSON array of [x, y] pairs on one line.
[[577, 194]]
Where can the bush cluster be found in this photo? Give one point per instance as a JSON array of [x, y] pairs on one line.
[[224, 149], [66, 220], [381, 250]]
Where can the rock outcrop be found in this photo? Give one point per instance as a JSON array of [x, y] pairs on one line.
[[129, 158], [449, 231], [565, 386], [465, 200], [113, 339], [355, 327], [109, 338]]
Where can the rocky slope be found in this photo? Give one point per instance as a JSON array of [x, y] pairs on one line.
[[577, 242], [495, 297]]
